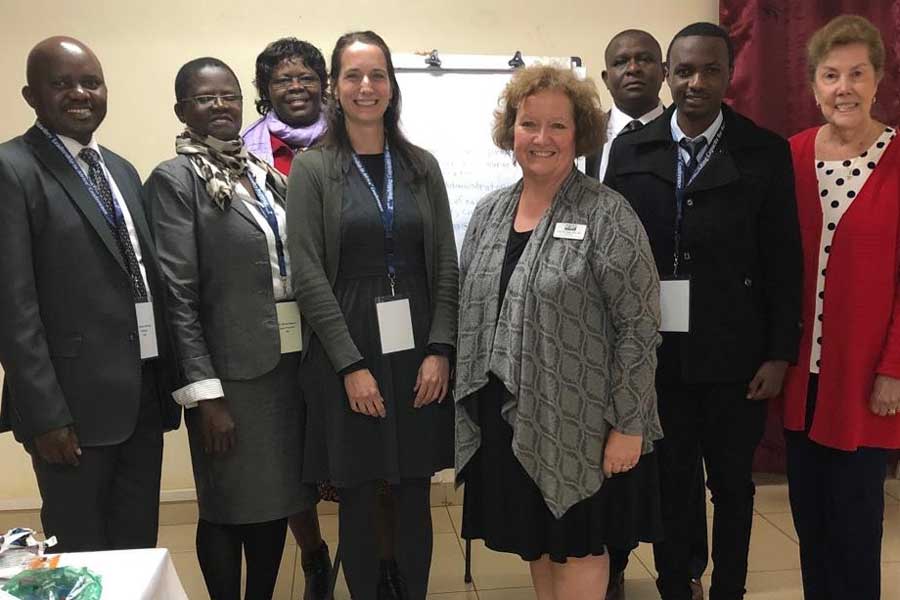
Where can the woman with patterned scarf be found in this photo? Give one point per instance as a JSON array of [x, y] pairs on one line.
[[218, 216]]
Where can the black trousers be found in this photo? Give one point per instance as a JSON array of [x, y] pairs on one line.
[[717, 423], [618, 557], [110, 501], [413, 536], [837, 501]]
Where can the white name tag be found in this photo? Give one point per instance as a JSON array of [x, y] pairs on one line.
[[395, 325], [146, 330], [675, 305], [289, 326], [569, 231]]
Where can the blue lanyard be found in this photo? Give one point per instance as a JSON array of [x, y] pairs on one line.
[[112, 219], [268, 212], [386, 208], [680, 187]]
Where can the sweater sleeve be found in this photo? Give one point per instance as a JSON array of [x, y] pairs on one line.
[[626, 273], [307, 243]]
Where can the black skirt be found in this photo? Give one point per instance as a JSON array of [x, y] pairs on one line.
[[503, 506]]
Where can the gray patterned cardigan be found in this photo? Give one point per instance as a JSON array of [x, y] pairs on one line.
[[575, 341]]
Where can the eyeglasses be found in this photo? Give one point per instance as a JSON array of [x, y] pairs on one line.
[[306, 81], [208, 100]]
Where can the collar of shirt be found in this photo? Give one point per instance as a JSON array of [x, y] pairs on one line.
[[709, 134], [282, 154], [74, 147], [618, 120]]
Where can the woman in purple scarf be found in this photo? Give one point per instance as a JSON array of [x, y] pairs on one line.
[[291, 82]]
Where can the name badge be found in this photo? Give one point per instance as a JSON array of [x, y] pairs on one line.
[[146, 330], [289, 326], [569, 231], [675, 305], [395, 324]]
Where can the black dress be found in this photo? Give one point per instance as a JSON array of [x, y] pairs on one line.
[[349, 448], [504, 507]]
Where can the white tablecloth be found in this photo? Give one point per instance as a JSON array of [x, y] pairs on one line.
[[131, 574]]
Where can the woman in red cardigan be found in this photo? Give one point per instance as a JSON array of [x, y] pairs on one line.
[[843, 396]]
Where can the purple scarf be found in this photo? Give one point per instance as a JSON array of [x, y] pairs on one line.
[[256, 137]]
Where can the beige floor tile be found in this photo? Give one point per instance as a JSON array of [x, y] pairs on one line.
[[455, 494], [447, 565], [772, 499], [771, 549], [30, 519], [890, 544], [178, 538], [644, 553], [892, 491], [775, 585], [890, 581], [641, 589], [178, 513], [188, 570], [637, 570], [508, 594], [287, 574], [440, 520], [496, 570], [455, 512], [454, 596], [784, 522]]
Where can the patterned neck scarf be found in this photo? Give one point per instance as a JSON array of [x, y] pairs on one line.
[[221, 164]]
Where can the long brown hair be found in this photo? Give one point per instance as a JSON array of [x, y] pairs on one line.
[[337, 136]]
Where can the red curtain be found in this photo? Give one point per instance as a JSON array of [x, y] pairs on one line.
[[771, 87]]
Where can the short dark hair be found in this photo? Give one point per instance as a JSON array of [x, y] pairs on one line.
[[632, 33], [337, 130], [189, 69], [704, 29], [288, 48]]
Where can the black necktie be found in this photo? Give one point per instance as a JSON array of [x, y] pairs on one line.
[[693, 147], [632, 125], [116, 224]]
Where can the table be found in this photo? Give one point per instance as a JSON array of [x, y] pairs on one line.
[[146, 574]]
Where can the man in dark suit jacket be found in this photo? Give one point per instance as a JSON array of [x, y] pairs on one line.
[[715, 194], [633, 75], [82, 328]]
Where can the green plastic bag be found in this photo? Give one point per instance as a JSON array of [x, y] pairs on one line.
[[66, 583]]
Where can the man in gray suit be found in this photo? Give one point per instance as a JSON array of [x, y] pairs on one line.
[[82, 325]]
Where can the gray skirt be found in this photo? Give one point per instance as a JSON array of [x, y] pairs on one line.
[[258, 480]]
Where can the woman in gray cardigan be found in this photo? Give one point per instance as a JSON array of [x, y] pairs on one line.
[[218, 217], [559, 311], [372, 242]]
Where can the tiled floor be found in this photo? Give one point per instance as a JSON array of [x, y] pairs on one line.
[[774, 564]]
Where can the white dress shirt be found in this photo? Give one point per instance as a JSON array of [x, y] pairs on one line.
[[208, 389], [74, 147], [618, 120]]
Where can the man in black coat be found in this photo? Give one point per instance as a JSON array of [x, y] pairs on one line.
[[82, 327], [633, 75], [715, 193]]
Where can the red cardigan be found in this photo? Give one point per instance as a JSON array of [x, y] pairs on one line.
[[861, 311]]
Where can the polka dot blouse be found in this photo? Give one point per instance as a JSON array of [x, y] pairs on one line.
[[840, 181]]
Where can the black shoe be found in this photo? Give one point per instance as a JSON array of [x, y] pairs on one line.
[[392, 586], [616, 588], [317, 573]]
